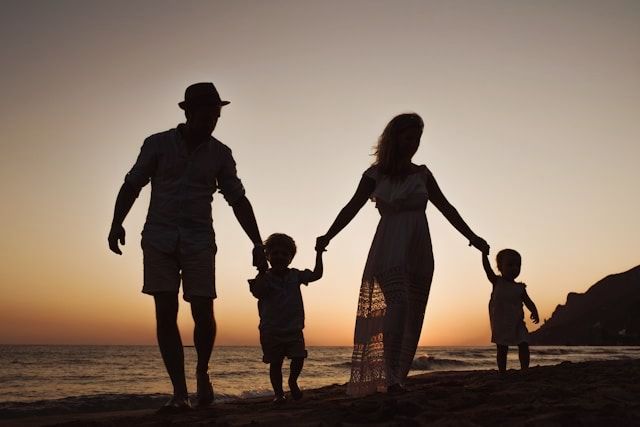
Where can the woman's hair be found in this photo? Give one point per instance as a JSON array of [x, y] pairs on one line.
[[281, 240], [387, 151], [506, 253]]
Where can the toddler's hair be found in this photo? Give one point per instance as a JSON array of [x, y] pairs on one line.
[[280, 239], [505, 253]]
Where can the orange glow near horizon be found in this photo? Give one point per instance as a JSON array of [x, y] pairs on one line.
[[531, 131]]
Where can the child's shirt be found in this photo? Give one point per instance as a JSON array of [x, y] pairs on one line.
[[280, 301]]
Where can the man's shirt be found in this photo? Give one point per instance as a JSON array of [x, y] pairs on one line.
[[182, 187]]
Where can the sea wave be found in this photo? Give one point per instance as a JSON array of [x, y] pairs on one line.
[[341, 365], [424, 363], [430, 363], [557, 351]]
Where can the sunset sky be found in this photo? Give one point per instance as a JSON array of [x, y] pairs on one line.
[[532, 112]]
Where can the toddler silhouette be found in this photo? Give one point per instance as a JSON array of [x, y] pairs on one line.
[[282, 312], [505, 308]]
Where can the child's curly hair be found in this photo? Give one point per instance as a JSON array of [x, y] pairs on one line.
[[282, 240]]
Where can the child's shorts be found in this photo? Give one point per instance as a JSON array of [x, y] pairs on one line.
[[279, 346]]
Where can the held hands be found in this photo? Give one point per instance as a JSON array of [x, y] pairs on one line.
[[321, 243], [116, 234], [535, 318], [259, 258], [480, 244]]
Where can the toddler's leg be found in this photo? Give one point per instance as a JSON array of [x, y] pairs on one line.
[[294, 373], [275, 375], [524, 355], [502, 358]]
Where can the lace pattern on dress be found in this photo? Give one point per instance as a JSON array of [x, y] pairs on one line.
[[390, 313]]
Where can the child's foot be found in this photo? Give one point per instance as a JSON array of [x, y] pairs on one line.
[[175, 405], [296, 393], [279, 400]]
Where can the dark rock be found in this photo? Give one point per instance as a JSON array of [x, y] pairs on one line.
[[607, 314]]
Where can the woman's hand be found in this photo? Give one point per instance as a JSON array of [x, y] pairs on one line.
[[321, 243], [535, 318], [480, 244]]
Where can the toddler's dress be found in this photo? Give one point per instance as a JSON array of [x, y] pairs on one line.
[[506, 313]]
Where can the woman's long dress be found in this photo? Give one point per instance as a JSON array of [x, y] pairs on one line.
[[395, 284]]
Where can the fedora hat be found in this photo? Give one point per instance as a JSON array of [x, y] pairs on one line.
[[199, 94]]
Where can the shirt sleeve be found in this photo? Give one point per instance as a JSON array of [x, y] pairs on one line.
[[228, 182], [145, 166], [304, 276], [371, 172]]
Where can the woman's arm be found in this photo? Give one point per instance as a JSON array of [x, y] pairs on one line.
[[349, 211], [452, 215]]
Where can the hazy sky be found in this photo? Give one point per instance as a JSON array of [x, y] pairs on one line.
[[532, 112]]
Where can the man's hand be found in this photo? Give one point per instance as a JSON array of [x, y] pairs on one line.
[[116, 234], [259, 258], [321, 243]]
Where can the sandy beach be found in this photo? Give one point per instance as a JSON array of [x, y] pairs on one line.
[[575, 394]]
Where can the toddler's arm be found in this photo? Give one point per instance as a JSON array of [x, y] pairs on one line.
[[487, 268], [532, 308], [316, 274]]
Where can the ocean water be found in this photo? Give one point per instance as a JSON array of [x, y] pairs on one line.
[[45, 380]]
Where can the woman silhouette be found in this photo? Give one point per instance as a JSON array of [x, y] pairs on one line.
[[397, 275]]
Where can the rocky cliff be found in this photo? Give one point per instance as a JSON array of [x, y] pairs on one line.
[[607, 314]]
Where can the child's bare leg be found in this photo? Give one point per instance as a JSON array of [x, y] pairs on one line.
[[294, 373], [275, 375], [502, 358], [524, 355]]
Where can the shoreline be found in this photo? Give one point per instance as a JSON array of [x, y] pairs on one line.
[[585, 393]]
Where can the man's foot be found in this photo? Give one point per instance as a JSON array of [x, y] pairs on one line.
[[279, 400], [296, 393], [204, 395], [175, 405]]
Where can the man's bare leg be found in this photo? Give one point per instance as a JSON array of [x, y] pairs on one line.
[[169, 340], [204, 335]]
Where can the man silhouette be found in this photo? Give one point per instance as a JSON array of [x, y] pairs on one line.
[[185, 166]]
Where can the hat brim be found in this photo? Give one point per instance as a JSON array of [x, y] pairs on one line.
[[183, 105]]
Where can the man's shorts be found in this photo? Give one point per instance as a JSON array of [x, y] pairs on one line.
[[279, 346], [164, 271]]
